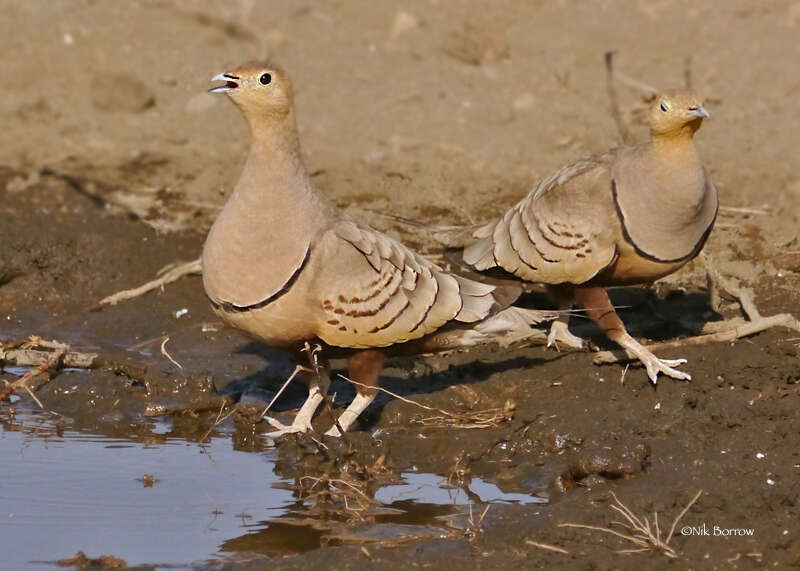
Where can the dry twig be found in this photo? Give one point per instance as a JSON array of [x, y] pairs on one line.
[[546, 546], [22, 383], [622, 128], [36, 357], [166, 354], [174, 273], [737, 332], [41, 353], [729, 330]]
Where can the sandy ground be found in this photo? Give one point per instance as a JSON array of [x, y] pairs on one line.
[[115, 161]]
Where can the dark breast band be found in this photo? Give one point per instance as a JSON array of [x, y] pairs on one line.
[[233, 308]]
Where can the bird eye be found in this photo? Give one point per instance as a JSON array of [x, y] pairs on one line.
[[664, 106], [265, 79]]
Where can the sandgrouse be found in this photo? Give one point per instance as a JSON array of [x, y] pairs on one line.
[[631, 215], [284, 265]]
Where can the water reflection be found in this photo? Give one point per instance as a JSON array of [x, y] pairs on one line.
[[156, 498]]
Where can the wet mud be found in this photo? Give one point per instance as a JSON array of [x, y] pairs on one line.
[[400, 488], [156, 457]]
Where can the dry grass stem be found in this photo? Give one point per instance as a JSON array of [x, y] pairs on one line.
[[33, 396], [296, 371], [546, 546], [613, 103], [487, 418], [474, 528], [744, 210], [219, 420], [640, 531], [167, 355], [176, 272]]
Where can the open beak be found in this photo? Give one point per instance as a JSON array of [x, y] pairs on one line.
[[231, 82], [699, 111]]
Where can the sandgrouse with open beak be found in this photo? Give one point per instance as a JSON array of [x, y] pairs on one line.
[[284, 265], [631, 215]]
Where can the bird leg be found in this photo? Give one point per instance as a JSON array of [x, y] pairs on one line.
[[598, 306], [559, 329], [318, 382], [363, 367]]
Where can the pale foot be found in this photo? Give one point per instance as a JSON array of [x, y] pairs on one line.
[[653, 364], [299, 425], [349, 416], [333, 431], [302, 422], [559, 331]]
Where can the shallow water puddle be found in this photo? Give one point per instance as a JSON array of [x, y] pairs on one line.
[[429, 487], [176, 502]]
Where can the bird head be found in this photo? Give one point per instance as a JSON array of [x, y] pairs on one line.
[[676, 111], [260, 90]]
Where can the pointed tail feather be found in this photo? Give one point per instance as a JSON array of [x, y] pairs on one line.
[[452, 236], [455, 236], [515, 319]]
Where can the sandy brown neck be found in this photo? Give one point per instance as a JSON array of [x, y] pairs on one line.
[[664, 197], [679, 136], [274, 186], [675, 166], [273, 133]]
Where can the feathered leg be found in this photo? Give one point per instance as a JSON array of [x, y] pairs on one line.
[[564, 297], [318, 382], [598, 306], [364, 368]]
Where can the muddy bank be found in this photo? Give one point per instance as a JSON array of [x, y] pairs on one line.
[[572, 432], [116, 160]]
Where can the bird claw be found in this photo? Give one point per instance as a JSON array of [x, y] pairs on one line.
[[560, 332], [655, 365], [283, 429]]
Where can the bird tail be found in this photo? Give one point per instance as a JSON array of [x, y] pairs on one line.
[[447, 235], [507, 327], [455, 236], [481, 300], [515, 319]]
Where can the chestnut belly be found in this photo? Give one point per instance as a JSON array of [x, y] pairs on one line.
[[630, 268]]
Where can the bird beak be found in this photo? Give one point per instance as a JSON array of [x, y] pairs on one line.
[[231, 82], [699, 111]]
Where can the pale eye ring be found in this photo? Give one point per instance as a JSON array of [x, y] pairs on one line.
[[265, 79], [664, 106]]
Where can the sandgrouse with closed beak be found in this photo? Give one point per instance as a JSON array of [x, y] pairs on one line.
[[284, 265], [631, 215]]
